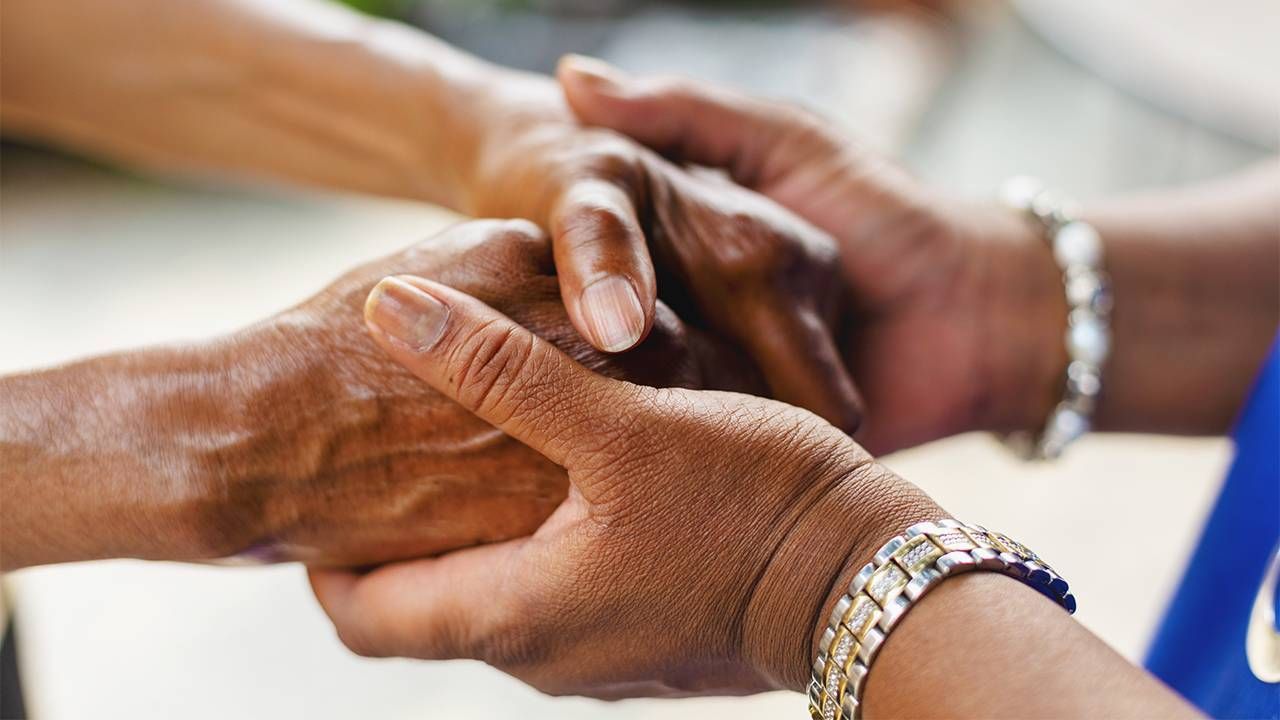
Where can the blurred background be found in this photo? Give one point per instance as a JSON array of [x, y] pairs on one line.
[[1096, 97]]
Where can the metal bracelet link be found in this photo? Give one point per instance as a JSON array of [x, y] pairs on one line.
[[1078, 251], [904, 570]]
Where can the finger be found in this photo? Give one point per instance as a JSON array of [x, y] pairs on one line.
[[606, 276], [755, 140], [801, 363], [495, 368], [435, 609]]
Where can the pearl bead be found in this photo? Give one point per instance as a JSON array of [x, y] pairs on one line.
[[1070, 424], [1065, 426], [1087, 339], [1083, 379], [1077, 243], [1081, 287]]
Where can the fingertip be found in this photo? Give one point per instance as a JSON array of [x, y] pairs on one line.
[[836, 400], [849, 418], [590, 73], [845, 405], [606, 275], [374, 298], [408, 311], [613, 316]]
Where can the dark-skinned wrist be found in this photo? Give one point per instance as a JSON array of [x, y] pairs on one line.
[[285, 405], [833, 532], [1022, 316], [104, 457], [218, 434]]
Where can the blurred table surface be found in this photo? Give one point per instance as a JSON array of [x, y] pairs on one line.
[[93, 260]]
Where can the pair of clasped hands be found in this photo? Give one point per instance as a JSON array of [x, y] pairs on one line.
[[701, 528]]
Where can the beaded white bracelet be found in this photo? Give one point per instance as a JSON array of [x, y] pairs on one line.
[[905, 568], [1077, 249]]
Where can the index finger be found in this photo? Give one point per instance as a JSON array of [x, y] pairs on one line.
[[602, 259]]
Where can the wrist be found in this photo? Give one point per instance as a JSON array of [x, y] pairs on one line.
[[282, 409], [119, 476], [391, 110], [832, 535], [218, 443], [502, 175], [1022, 318]]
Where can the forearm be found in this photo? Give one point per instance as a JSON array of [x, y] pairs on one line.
[[980, 645], [110, 457], [300, 91], [984, 645], [1196, 277]]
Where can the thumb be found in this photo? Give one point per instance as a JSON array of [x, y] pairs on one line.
[[495, 368], [756, 141]]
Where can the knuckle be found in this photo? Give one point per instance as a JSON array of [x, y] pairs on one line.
[[467, 243], [591, 219], [616, 159], [490, 364], [464, 235], [515, 244], [754, 256]]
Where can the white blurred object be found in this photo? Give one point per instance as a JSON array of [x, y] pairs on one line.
[[873, 75], [1215, 63]]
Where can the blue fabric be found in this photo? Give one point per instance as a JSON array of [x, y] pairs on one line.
[[1199, 647]]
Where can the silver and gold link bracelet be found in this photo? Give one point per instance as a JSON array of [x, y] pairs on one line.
[[903, 571]]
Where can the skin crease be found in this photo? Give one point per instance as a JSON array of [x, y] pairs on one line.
[[338, 463], [573, 584], [296, 440], [956, 311], [759, 274], [645, 583], [919, 269], [310, 92], [416, 476], [938, 661]]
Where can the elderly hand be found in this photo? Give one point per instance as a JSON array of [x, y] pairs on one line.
[[955, 314], [357, 461], [673, 564], [296, 439], [749, 269]]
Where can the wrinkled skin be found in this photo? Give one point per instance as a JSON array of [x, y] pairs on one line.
[[738, 261], [953, 320], [683, 515], [352, 460]]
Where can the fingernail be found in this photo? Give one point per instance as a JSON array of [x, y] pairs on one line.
[[601, 74], [613, 314], [406, 313]]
